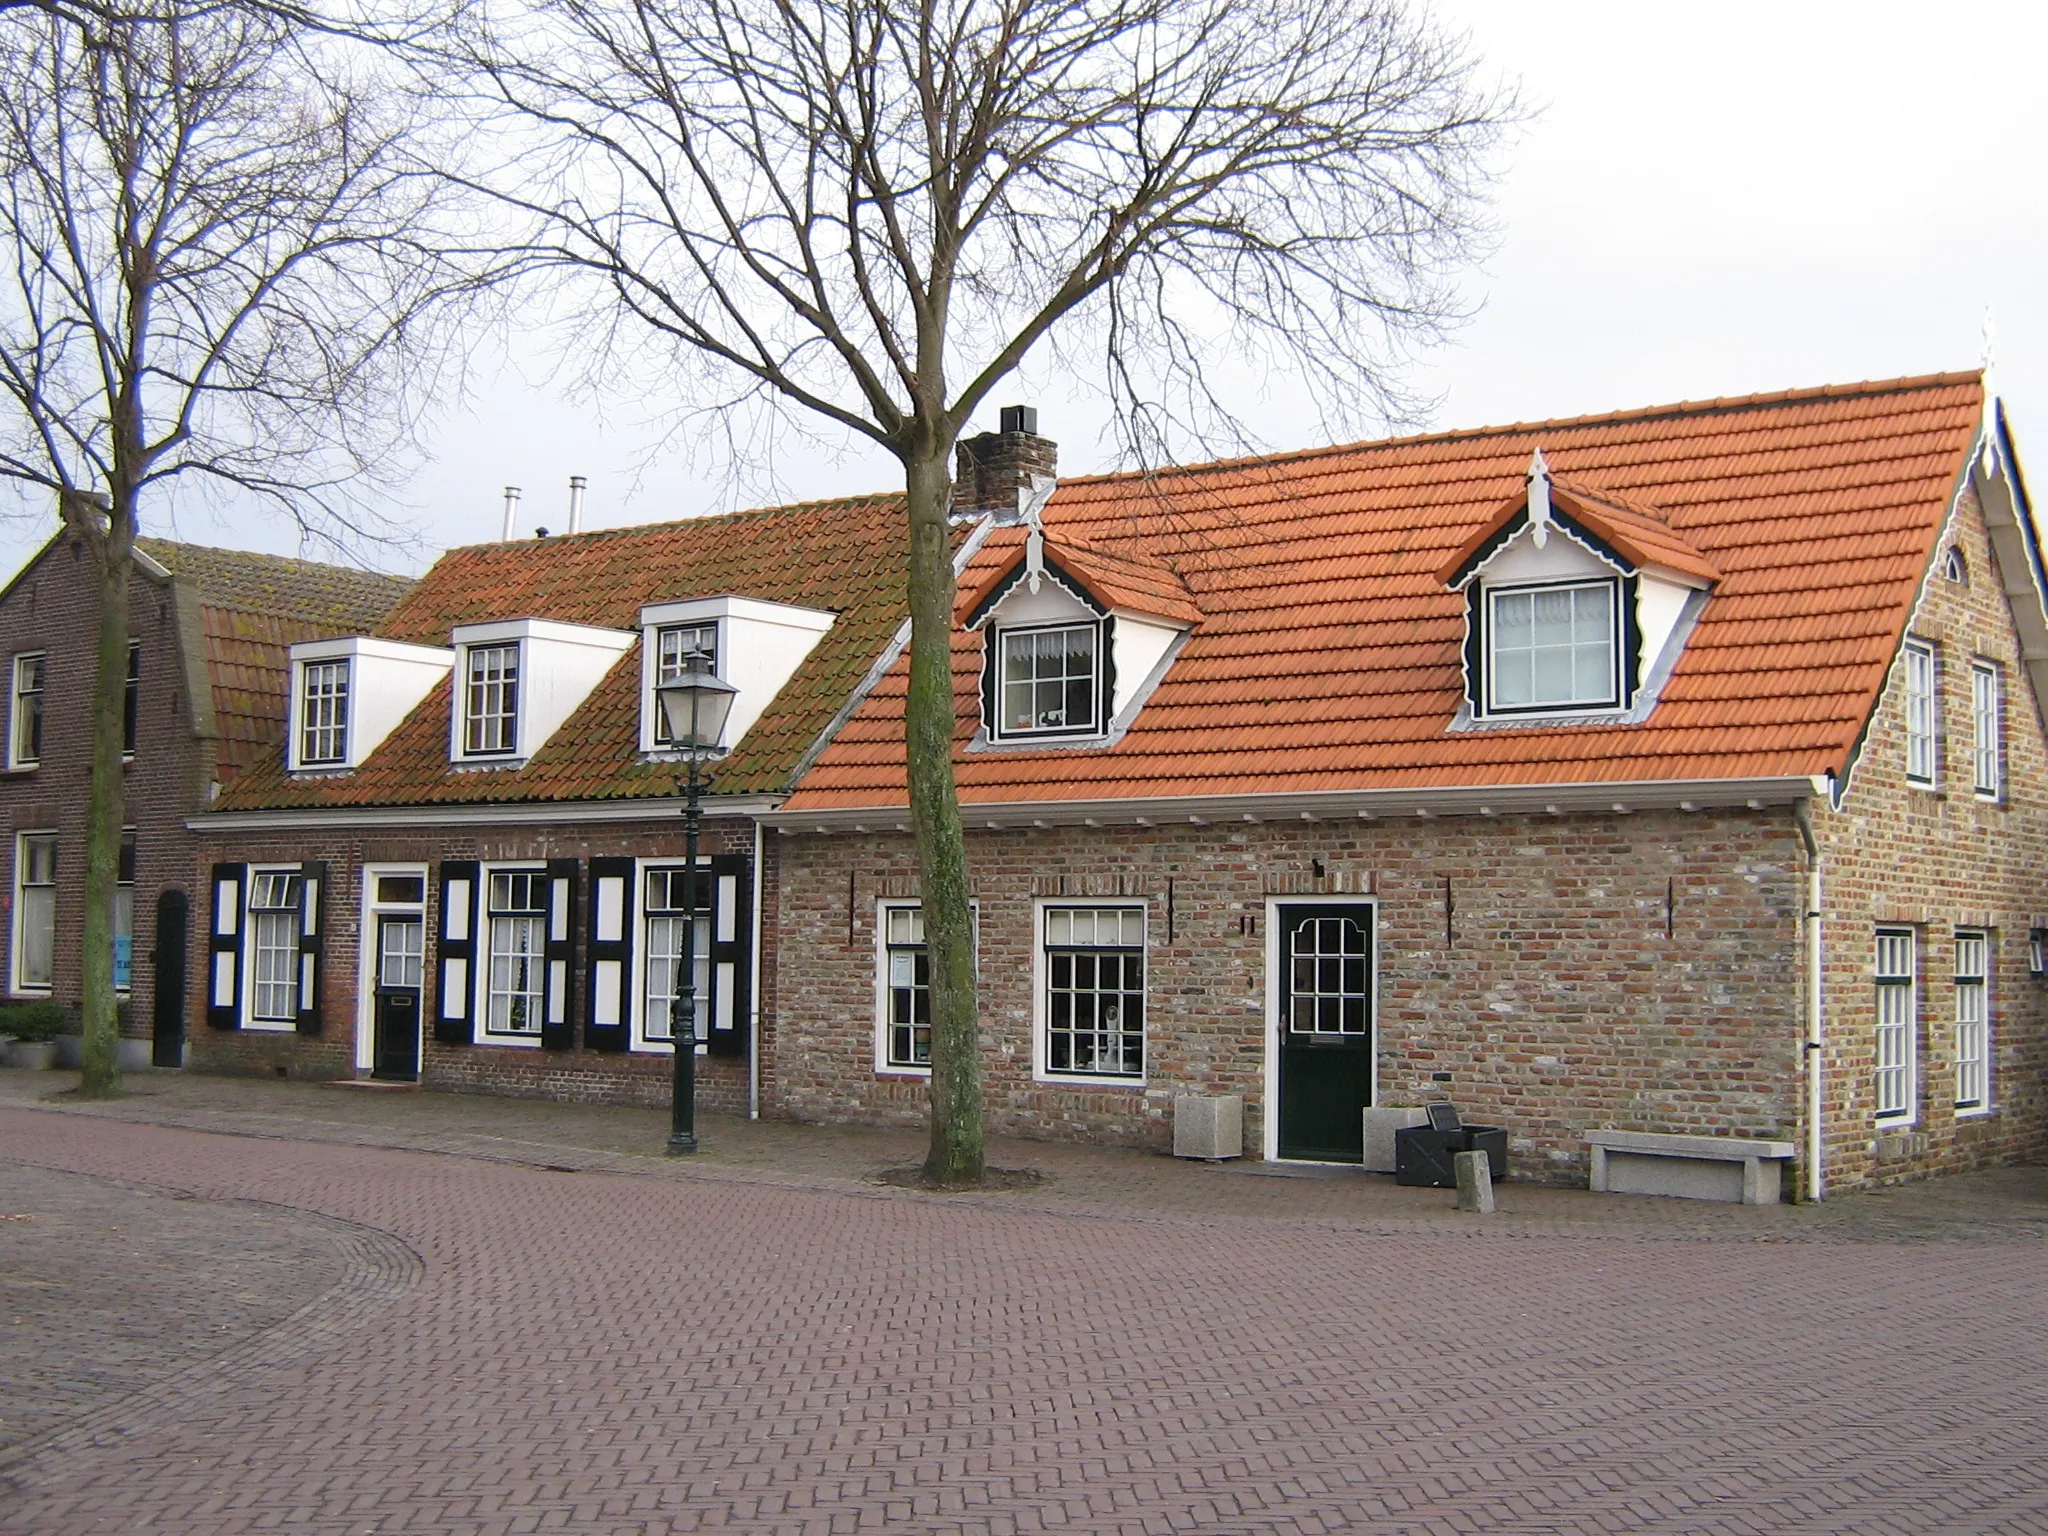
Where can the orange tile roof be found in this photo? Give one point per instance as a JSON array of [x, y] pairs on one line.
[[1639, 533], [1127, 579], [843, 556], [1329, 653], [252, 609]]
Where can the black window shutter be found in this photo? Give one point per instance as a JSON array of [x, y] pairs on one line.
[[558, 1018], [455, 955], [732, 930], [312, 943], [224, 948], [608, 984]]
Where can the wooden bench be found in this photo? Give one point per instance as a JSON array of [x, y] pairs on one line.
[[1736, 1169]]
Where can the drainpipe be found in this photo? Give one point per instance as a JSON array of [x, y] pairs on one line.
[[754, 993], [1816, 1183]]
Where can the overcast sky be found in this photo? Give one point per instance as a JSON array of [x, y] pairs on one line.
[[1712, 200]]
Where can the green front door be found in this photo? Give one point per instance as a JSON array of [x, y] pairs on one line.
[[1326, 1030]]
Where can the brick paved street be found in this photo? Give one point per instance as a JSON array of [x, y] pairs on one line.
[[762, 1343]]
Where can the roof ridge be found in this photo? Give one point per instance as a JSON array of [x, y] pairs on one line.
[[591, 535], [146, 541], [1719, 403]]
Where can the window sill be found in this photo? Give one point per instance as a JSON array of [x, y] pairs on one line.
[[521, 1042], [1080, 1080], [1974, 1111], [270, 1026], [911, 1072], [20, 770], [663, 1049]]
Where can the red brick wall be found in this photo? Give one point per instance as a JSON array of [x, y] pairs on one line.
[[1559, 1005], [54, 608], [1937, 860], [514, 1071]]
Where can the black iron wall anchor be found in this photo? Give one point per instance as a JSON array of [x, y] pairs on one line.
[[1670, 907], [1450, 911]]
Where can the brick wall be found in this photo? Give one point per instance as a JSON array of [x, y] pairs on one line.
[[1623, 970], [54, 607], [514, 1071], [1935, 860]]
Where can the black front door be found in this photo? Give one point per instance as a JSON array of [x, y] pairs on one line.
[[167, 969], [401, 942], [1326, 1031]]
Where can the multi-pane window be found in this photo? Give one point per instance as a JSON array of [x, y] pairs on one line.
[[131, 698], [1049, 681], [1973, 1021], [25, 739], [680, 649], [514, 1003], [667, 915], [323, 712], [491, 700], [1552, 647], [274, 945], [1920, 743], [1095, 991], [1896, 1012], [35, 908], [401, 952], [907, 972], [1985, 716], [124, 914], [1329, 985]]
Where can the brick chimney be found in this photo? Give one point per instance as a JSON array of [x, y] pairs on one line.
[[990, 469]]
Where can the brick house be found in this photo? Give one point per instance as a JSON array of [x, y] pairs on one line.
[[466, 864], [1497, 765], [1501, 765], [206, 697]]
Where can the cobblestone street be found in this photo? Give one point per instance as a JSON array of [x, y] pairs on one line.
[[396, 1316]]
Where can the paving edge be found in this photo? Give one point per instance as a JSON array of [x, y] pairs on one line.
[[377, 1269]]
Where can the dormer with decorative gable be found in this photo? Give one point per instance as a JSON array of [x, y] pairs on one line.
[[1076, 637], [1578, 602]]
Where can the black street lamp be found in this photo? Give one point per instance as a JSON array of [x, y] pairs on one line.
[[693, 711]]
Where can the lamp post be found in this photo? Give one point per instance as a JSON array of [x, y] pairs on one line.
[[693, 709]]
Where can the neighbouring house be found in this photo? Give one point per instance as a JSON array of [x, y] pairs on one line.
[[1679, 770], [205, 698]]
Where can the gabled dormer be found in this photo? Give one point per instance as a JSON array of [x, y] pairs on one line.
[[517, 680], [1577, 604], [1076, 638], [754, 645], [347, 695]]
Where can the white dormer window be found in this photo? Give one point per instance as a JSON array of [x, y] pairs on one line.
[[1050, 682], [1553, 647], [323, 713], [750, 643], [490, 718], [349, 694], [680, 649]]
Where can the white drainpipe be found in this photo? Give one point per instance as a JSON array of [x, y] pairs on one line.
[[754, 994], [1816, 1180]]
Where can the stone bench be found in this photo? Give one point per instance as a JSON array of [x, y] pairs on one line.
[[1731, 1168]]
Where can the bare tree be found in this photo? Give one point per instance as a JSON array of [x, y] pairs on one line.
[[873, 210], [220, 265]]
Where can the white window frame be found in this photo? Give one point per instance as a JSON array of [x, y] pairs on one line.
[[335, 704], [1610, 701], [367, 958], [1922, 717], [14, 978], [1896, 991], [1987, 718], [1040, 983], [722, 929], [124, 910], [480, 985], [1973, 1021], [131, 703], [250, 1019], [661, 673], [884, 1013], [1001, 730], [465, 686], [17, 697]]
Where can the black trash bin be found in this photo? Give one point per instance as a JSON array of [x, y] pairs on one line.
[[1426, 1158]]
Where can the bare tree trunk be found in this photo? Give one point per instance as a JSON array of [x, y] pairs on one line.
[[105, 812], [956, 1154]]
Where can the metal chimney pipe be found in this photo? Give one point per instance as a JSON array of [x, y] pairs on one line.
[[576, 487], [511, 511]]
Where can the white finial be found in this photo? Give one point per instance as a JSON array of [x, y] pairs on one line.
[[1539, 498], [1990, 340], [1031, 502]]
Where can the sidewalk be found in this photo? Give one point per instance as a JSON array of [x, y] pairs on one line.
[[2009, 1204]]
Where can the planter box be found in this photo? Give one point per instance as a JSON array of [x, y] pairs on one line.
[[1380, 1126], [1428, 1159], [133, 1055], [32, 1055], [70, 1052], [1208, 1128]]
